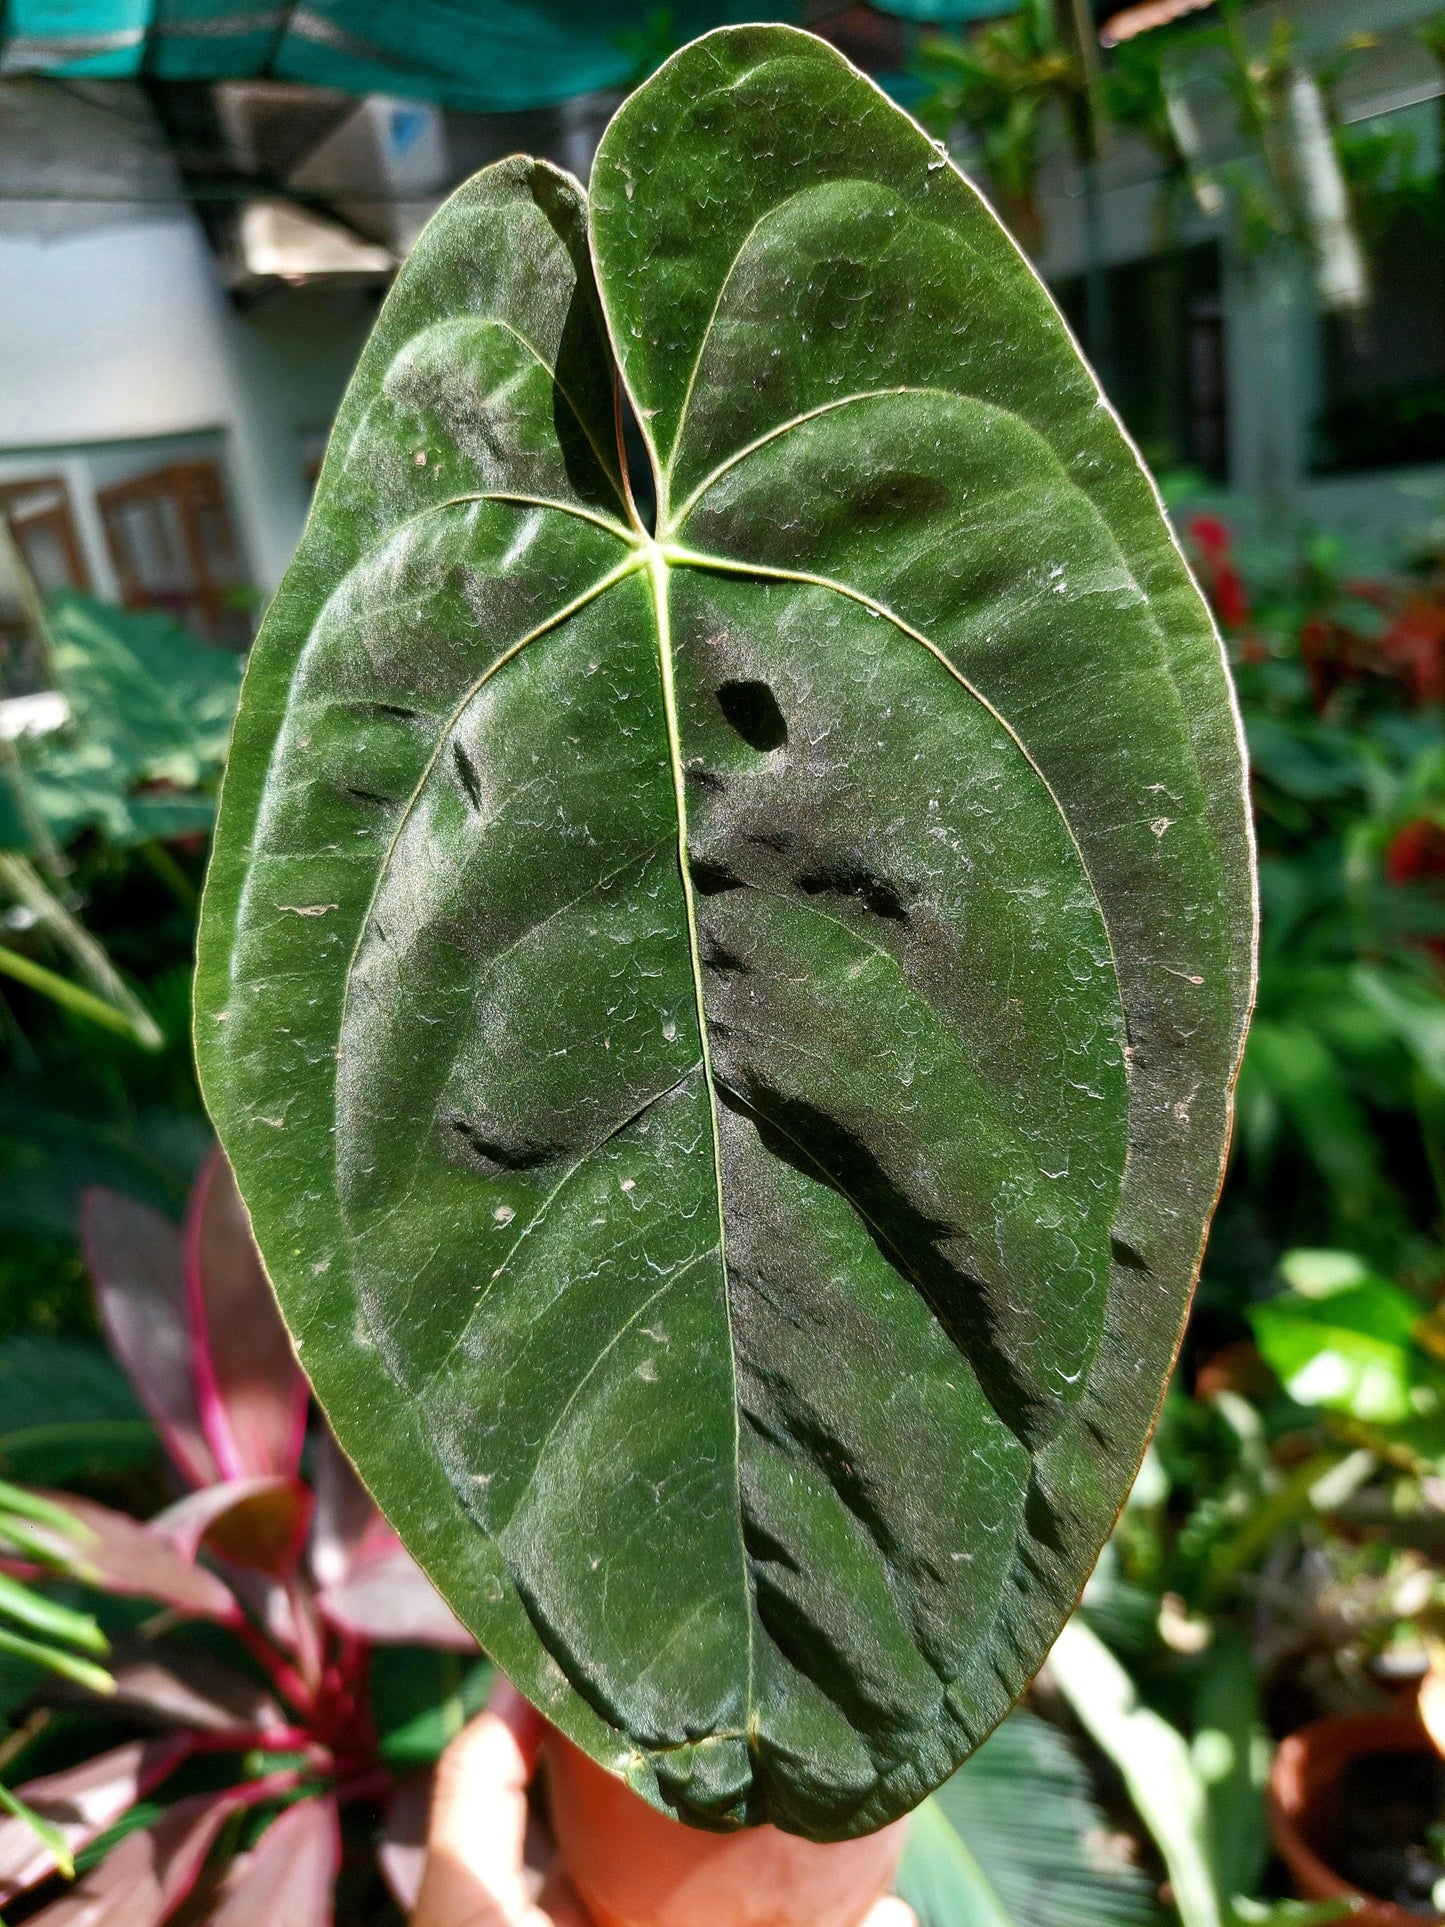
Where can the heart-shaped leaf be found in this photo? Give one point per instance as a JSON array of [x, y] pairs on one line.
[[726, 1035]]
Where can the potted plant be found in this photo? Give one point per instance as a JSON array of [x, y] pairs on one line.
[[1358, 1799]]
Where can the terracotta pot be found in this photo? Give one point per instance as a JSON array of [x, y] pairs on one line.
[[634, 1867], [1304, 1791]]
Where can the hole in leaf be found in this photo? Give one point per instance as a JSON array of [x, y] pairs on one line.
[[752, 709], [711, 879], [872, 892]]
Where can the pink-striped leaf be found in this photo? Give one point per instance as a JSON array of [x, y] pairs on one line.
[[286, 1612], [143, 1880], [252, 1393], [347, 1529], [81, 1803], [134, 1256], [287, 1878], [259, 1523], [391, 1602], [196, 1691], [124, 1556]]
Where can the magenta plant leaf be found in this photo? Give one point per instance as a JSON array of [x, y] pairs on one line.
[[142, 1882], [347, 1528], [136, 1268], [124, 1556], [250, 1390], [390, 1601], [260, 1523], [81, 1803], [193, 1690], [286, 1880]]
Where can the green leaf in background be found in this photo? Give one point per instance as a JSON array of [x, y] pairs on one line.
[[48, 1157], [158, 699], [726, 1036], [1230, 1747], [1346, 1341], [37, 1614], [150, 705], [1164, 1782], [52, 1837], [1316, 764], [941, 1879], [1033, 1839], [1290, 1069], [36, 1632], [421, 1698], [64, 1405]]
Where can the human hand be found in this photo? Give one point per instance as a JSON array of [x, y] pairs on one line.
[[486, 1868]]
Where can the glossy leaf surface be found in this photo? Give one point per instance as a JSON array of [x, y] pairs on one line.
[[1024, 1812], [726, 1036]]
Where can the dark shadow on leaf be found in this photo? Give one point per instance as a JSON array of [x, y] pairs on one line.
[[913, 1243]]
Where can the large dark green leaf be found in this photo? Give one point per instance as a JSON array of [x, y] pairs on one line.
[[726, 1038]]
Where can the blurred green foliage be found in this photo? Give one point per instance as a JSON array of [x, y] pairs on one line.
[[103, 823]]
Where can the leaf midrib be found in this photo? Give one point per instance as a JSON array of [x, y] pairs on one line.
[[657, 572]]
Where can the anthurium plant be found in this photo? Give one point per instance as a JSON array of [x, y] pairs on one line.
[[724, 1019], [274, 1591]]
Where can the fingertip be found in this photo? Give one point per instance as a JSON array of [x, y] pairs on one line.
[[521, 1719], [487, 1767], [890, 1911]]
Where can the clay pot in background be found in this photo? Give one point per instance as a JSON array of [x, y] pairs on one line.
[[633, 1865], [1305, 1813]]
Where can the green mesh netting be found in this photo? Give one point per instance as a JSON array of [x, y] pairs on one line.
[[486, 55]]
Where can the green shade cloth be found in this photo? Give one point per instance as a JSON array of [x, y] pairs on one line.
[[489, 56], [946, 13]]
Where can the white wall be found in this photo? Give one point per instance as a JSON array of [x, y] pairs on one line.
[[124, 331]]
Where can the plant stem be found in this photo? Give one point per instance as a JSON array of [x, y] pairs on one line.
[[70, 996], [171, 874]]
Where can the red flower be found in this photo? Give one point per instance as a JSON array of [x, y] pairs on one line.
[[1417, 854], [1210, 536], [1213, 546], [1415, 644]]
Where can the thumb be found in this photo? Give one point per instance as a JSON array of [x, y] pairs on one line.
[[475, 1875]]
